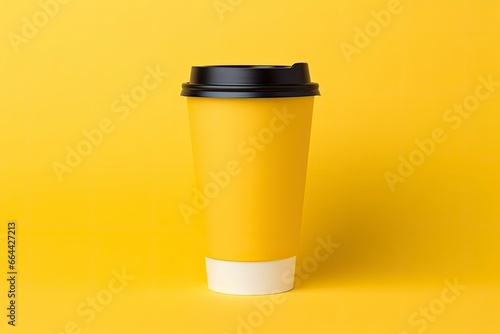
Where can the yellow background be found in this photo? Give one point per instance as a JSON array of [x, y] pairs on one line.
[[119, 208]]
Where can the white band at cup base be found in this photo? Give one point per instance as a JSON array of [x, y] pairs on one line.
[[250, 278]]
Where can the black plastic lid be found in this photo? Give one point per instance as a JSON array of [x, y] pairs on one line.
[[248, 81]]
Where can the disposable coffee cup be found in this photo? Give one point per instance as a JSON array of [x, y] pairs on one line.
[[250, 129]]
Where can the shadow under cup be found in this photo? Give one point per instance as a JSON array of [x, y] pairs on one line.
[[250, 129]]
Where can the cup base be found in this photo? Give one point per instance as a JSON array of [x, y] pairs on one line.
[[250, 278]]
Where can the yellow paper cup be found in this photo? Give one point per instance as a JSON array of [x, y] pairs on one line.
[[250, 129]]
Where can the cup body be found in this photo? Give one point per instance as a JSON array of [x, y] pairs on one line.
[[250, 158]]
